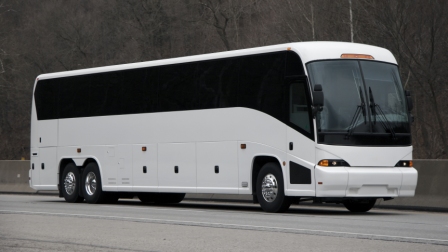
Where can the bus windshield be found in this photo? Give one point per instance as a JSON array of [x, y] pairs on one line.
[[364, 103]]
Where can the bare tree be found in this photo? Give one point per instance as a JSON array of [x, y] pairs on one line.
[[417, 34], [53, 35]]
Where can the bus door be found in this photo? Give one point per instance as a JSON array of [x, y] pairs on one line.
[[300, 143], [47, 164], [35, 180]]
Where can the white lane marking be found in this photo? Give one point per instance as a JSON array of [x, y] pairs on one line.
[[228, 225], [156, 208]]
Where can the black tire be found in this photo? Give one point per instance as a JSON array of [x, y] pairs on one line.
[[359, 205], [147, 197], [161, 198], [111, 197], [169, 198], [277, 202], [92, 192], [70, 183]]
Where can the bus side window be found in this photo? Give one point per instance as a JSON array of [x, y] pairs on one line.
[[298, 106]]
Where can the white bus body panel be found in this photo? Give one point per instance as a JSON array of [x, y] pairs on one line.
[[191, 140], [124, 168], [365, 156], [34, 169], [304, 154], [376, 176], [48, 168], [224, 155], [182, 156], [145, 182], [43, 145]]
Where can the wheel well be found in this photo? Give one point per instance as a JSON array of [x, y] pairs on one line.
[[67, 161], [258, 162], [63, 163], [88, 161]]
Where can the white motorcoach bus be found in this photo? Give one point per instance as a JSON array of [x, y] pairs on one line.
[[322, 121]]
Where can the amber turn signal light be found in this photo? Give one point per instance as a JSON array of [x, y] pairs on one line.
[[323, 162], [332, 162]]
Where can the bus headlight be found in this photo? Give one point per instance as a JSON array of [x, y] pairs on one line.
[[404, 163], [333, 162]]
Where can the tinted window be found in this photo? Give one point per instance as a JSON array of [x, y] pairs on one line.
[[294, 66], [178, 87], [73, 98], [299, 107], [139, 91], [104, 94], [261, 84], [45, 99], [254, 81], [218, 83]]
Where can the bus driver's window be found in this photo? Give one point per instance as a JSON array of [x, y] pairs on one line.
[[298, 106]]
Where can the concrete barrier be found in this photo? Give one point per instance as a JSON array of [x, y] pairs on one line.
[[14, 176], [432, 186], [431, 193]]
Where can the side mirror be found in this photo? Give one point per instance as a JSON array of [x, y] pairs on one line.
[[409, 100], [318, 98]]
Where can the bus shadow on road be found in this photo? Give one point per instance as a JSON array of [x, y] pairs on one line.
[[305, 209]]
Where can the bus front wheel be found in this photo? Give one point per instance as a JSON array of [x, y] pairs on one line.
[[359, 205], [271, 190]]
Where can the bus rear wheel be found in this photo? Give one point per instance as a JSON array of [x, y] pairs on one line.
[[271, 190], [91, 185], [359, 205], [71, 182]]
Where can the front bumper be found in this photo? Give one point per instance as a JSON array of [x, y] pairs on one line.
[[365, 181]]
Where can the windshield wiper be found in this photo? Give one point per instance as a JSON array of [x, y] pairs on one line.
[[384, 122], [359, 109]]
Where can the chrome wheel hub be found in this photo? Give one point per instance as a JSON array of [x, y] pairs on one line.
[[269, 188], [70, 183], [90, 183]]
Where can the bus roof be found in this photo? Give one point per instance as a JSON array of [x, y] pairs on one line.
[[308, 51]]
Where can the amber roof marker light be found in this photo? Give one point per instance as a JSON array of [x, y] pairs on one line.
[[356, 56]]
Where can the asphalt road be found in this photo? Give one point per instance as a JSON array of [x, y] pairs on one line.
[[48, 223]]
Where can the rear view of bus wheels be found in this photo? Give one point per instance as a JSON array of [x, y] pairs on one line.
[[359, 205], [91, 185], [71, 182], [270, 189]]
